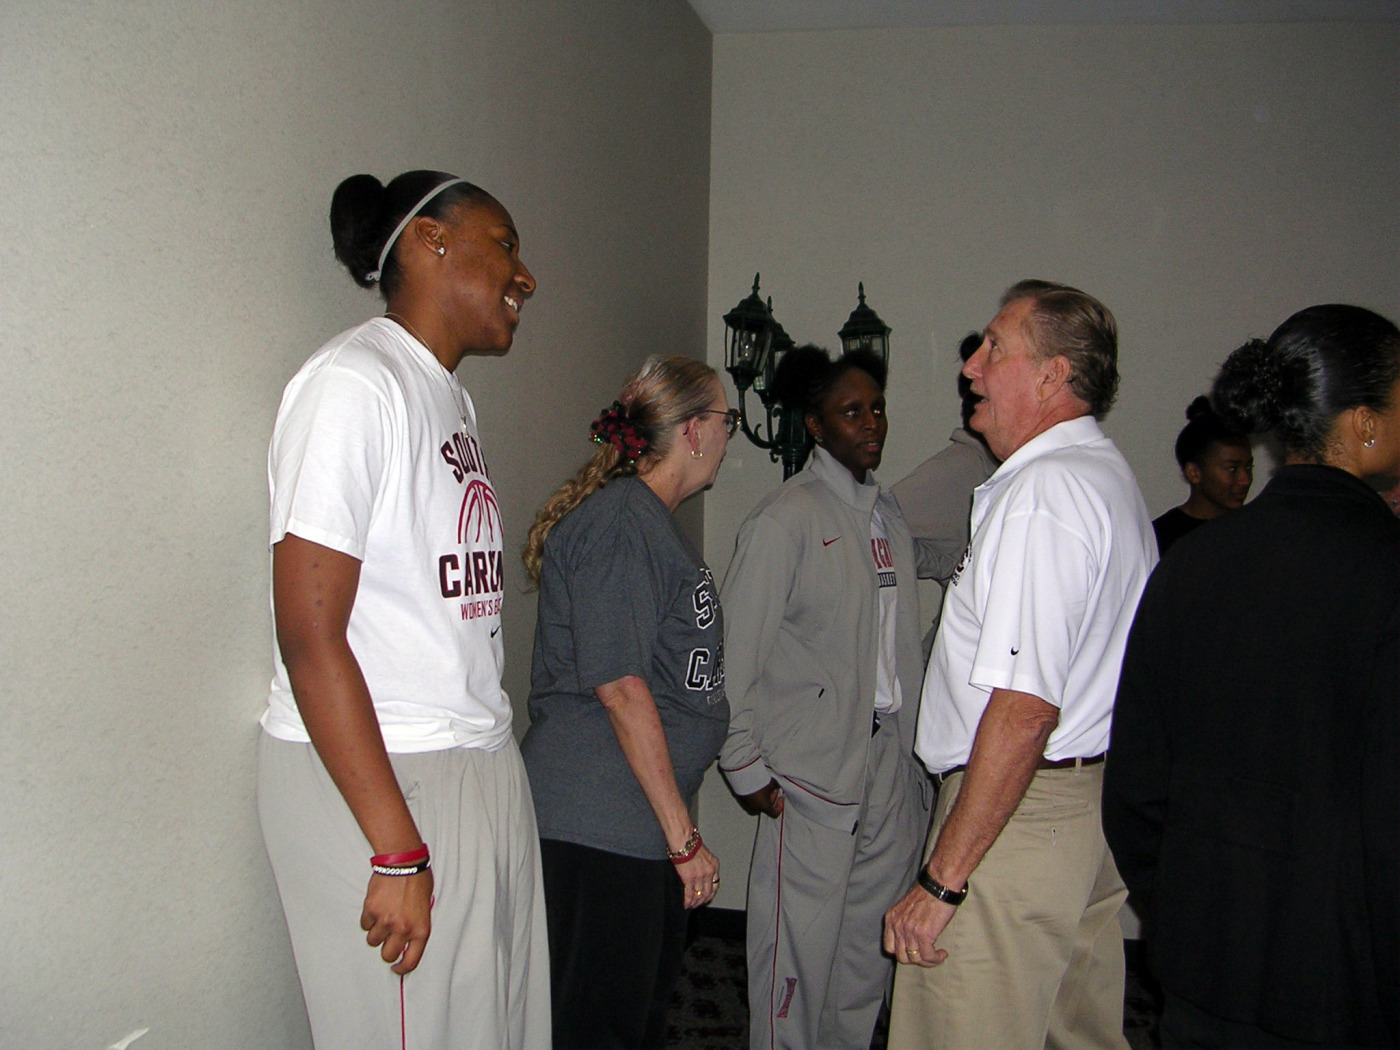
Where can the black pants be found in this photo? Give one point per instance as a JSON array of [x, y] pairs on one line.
[[616, 936]]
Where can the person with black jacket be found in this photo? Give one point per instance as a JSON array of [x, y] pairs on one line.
[[1252, 786]]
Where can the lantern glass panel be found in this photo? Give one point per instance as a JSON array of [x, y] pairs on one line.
[[743, 350], [763, 378]]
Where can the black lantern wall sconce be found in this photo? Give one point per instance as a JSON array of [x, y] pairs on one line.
[[754, 342]]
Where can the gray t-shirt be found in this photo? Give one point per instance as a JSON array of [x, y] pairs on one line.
[[621, 593]]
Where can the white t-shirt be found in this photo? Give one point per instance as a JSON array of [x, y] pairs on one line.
[[1043, 598], [375, 454], [888, 695]]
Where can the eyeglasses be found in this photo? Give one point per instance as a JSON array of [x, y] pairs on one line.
[[731, 419]]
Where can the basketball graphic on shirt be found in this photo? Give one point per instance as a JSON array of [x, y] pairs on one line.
[[481, 514]]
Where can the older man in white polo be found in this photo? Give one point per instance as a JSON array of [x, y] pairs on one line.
[[1010, 937]]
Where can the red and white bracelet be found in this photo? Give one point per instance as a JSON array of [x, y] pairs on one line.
[[413, 862]]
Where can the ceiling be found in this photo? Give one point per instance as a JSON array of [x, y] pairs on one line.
[[769, 16]]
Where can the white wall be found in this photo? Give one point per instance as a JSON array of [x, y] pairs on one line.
[[1204, 181], [166, 169]]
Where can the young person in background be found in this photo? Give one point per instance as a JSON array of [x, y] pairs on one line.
[[1217, 463]]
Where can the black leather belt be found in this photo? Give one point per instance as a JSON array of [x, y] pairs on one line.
[[1044, 763]]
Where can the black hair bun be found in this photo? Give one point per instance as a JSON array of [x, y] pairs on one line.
[[1247, 390], [1199, 409], [357, 220]]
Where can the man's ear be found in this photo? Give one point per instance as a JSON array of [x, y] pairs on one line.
[[1054, 375], [813, 426], [1192, 473]]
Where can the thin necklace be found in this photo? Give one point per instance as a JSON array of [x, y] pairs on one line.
[[454, 388]]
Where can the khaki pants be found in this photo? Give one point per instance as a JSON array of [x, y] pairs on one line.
[[1035, 953], [483, 981]]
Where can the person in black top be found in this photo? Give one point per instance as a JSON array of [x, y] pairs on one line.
[[1218, 465], [1252, 786]]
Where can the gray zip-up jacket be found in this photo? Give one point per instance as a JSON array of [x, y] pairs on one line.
[[801, 635]]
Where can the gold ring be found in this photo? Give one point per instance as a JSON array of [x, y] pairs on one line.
[[912, 951]]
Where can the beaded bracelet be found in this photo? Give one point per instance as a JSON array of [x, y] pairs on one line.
[[688, 851], [396, 870]]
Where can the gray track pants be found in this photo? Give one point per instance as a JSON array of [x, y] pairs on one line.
[[817, 899], [483, 982]]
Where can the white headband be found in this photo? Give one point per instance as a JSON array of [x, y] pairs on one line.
[[389, 244]]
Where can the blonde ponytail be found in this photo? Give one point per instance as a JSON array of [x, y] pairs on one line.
[[632, 435], [607, 463]]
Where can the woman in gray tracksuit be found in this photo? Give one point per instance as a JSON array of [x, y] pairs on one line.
[[823, 671]]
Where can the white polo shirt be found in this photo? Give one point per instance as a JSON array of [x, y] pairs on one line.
[[1043, 597]]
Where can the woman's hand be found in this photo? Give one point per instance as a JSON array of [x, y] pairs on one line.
[[700, 877], [397, 915], [632, 712], [767, 800]]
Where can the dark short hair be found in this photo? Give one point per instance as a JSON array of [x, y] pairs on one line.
[[807, 375], [1065, 322], [1320, 362]]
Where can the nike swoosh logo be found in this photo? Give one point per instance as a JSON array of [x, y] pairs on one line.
[[1014, 650], [497, 630], [828, 543]]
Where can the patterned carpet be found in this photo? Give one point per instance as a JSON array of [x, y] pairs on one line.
[[709, 1012]]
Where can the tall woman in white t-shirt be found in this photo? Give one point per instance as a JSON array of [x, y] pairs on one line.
[[391, 793], [627, 706], [823, 672]]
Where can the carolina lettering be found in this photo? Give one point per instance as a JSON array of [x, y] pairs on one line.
[[483, 573], [697, 672], [447, 564]]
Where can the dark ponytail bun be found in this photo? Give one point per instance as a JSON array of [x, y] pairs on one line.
[[1317, 364], [358, 228], [1246, 392]]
